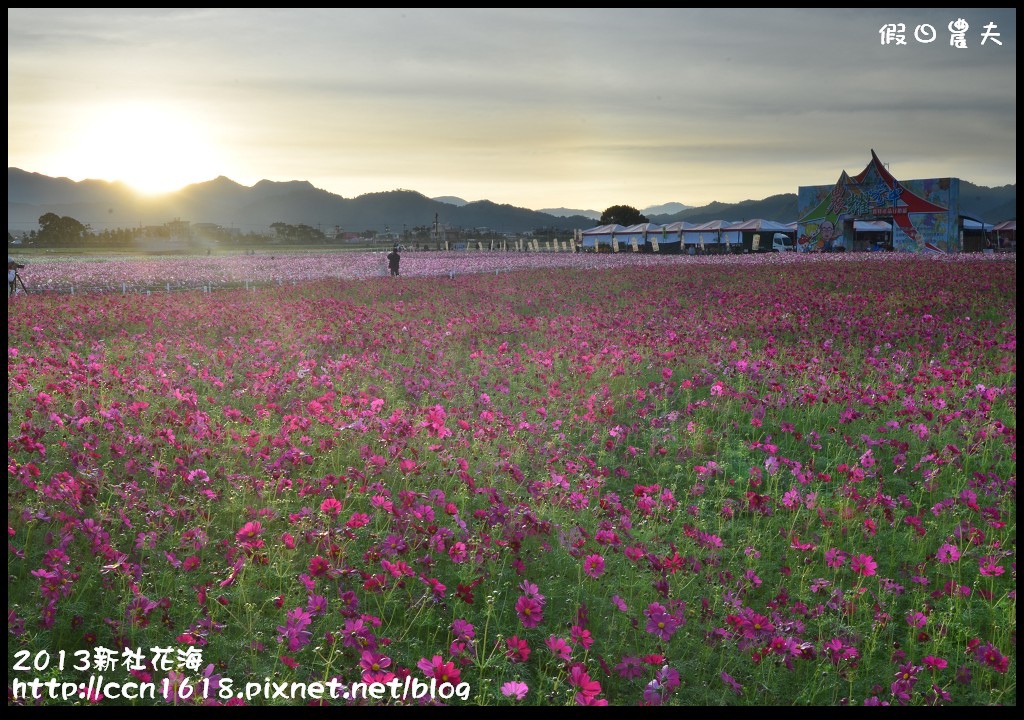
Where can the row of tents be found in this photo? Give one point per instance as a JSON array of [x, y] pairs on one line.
[[757, 235], [718, 235]]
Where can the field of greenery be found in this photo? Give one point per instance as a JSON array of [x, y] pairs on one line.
[[725, 481]]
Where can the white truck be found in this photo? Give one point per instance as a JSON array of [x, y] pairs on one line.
[[782, 243]]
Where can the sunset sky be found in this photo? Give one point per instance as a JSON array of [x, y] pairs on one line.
[[537, 108]]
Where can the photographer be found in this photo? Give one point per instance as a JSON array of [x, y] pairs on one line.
[[13, 279]]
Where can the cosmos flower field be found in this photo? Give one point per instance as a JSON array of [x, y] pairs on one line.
[[555, 479]]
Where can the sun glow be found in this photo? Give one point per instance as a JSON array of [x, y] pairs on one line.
[[152, 148]]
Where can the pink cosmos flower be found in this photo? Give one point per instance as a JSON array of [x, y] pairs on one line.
[[936, 696], [518, 651], [581, 636], [867, 460], [864, 565], [947, 554], [458, 552], [318, 566], [579, 678], [373, 665], [731, 682], [515, 689], [665, 681], [990, 655], [659, 622], [331, 506], [357, 634], [294, 631], [987, 566], [917, 619], [357, 520], [435, 422], [593, 566], [438, 669], [249, 532], [630, 668], [530, 590], [530, 611], [559, 647], [708, 541], [235, 569], [634, 552], [838, 651], [835, 557]]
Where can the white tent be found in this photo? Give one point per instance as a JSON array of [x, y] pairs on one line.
[[710, 233], [761, 226], [638, 234], [672, 233], [595, 237]]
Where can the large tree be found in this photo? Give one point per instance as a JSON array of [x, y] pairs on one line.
[[57, 230], [622, 215], [298, 233]]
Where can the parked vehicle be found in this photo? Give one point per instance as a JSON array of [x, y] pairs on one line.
[[782, 243]]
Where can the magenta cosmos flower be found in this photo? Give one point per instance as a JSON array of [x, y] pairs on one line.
[[515, 689], [530, 611], [593, 565], [863, 565], [659, 622], [438, 669], [518, 651], [948, 553]]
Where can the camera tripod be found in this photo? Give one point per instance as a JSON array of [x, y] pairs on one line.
[[14, 285]]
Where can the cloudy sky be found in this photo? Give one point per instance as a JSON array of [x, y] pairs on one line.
[[535, 107]]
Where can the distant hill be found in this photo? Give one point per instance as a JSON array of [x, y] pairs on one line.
[[105, 205], [989, 204], [666, 209], [566, 212], [780, 208], [456, 201], [101, 205]]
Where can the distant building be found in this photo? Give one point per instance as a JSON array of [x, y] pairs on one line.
[[924, 215]]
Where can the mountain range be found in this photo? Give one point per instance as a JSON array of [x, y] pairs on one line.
[[107, 205], [595, 215]]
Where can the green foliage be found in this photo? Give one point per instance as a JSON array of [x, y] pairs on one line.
[[298, 233], [622, 215], [57, 230]]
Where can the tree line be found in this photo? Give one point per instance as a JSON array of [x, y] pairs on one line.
[[64, 231]]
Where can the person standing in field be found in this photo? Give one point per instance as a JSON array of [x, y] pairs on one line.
[[393, 260], [13, 267]]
